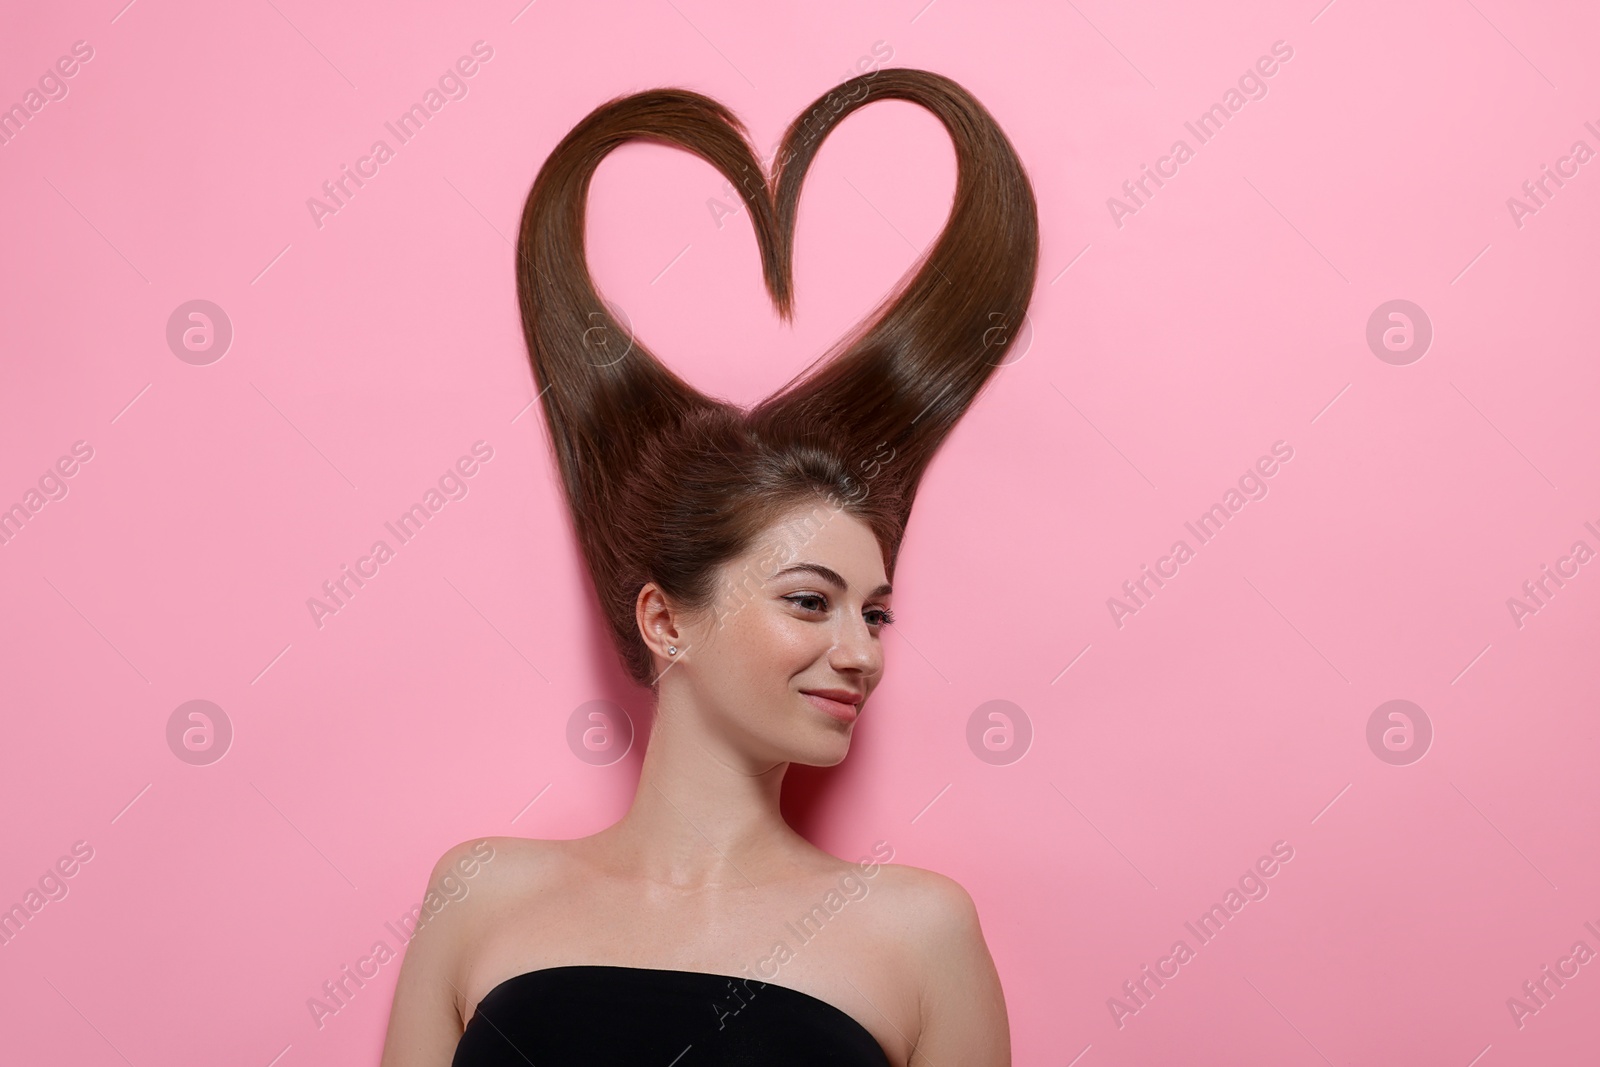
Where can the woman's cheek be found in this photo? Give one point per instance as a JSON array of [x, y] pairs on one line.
[[791, 641]]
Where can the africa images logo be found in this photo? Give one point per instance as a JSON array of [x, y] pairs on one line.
[[451, 85], [1252, 85]]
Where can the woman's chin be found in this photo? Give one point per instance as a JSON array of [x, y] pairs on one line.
[[827, 752]]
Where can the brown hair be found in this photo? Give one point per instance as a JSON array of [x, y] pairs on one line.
[[664, 483]]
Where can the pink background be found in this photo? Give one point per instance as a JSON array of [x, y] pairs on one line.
[[1167, 355]]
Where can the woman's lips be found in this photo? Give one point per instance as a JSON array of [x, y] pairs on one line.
[[836, 708]]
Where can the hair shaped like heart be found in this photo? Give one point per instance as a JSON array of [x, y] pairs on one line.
[[665, 483]]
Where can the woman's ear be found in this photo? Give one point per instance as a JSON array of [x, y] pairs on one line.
[[658, 623]]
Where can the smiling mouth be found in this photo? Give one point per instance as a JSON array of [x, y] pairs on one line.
[[837, 709]]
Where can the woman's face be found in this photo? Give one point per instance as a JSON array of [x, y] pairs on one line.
[[802, 612]]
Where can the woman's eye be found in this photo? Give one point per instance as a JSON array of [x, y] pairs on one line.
[[817, 602]]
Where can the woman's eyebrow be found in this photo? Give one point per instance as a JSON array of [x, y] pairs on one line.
[[831, 576]]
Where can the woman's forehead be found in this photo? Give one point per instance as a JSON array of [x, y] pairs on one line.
[[838, 542]]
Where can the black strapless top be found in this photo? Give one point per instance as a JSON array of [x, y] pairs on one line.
[[619, 1016]]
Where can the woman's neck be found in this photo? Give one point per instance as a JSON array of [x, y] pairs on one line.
[[704, 816]]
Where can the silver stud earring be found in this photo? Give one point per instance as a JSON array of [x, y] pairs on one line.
[[672, 650]]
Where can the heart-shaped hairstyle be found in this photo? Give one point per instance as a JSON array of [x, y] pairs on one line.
[[664, 483]]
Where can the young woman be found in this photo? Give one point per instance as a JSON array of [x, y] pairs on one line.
[[743, 562]]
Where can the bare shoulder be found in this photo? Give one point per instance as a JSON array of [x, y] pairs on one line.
[[473, 886], [468, 885], [492, 864], [933, 907], [962, 1005]]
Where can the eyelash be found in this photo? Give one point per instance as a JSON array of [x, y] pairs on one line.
[[888, 615]]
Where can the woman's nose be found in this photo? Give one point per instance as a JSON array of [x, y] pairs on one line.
[[857, 647]]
